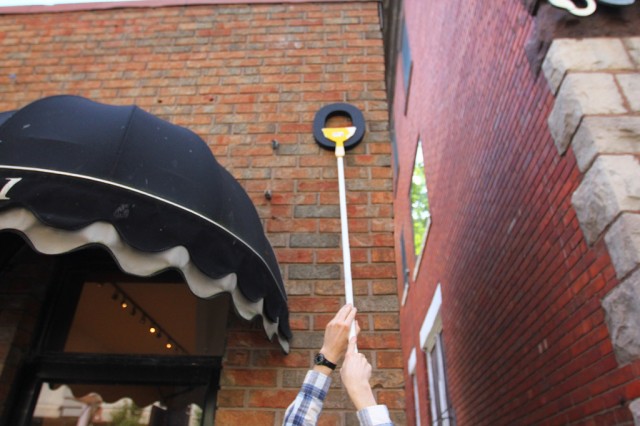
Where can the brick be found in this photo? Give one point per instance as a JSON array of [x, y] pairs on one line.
[[231, 398], [244, 417], [314, 240], [236, 357], [385, 321], [299, 322], [392, 399], [378, 304], [314, 304], [248, 377], [240, 76], [294, 256], [271, 398], [389, 360], [317, 211], [378, 341], [278, 359]]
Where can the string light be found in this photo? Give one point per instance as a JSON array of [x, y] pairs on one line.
[[154, 329]]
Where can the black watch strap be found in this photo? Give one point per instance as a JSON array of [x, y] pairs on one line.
[[319, 359]]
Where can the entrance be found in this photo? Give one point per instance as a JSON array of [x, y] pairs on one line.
[[119, 350]]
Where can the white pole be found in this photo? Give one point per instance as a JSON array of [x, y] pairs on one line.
[[346, 252]]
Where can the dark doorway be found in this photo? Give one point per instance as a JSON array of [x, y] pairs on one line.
[[113, 348]]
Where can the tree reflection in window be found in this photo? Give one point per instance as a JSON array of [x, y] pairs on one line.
[[419, 203]]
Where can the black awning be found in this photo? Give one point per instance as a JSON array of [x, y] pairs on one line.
[[74, 172]]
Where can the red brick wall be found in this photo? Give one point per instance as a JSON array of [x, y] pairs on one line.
[[242, 76], [523, 327]]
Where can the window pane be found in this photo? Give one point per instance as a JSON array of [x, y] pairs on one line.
[[146, 318], [419, 202], [96, 404], [416, 399], [433, 395], [406, 58]]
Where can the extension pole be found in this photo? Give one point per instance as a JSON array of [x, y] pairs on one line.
[[339, 136]]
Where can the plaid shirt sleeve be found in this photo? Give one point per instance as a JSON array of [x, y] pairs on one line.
[[377, 415], [306, 408]]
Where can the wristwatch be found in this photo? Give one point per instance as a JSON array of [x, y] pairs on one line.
[[319, 359]]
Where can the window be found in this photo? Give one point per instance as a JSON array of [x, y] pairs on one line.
[[420, 213], [395, 157], [442, 413], [407, 63], [405, 269]]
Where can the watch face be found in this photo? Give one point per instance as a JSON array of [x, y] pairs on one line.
[[318, 359]]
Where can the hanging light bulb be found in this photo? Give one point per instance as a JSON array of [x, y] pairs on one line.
[[124, 304], [168, 345], [152, 330]]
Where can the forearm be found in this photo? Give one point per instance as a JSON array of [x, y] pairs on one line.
[[361, 395]]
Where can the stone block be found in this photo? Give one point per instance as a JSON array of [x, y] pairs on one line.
[[611, 186], [590, 54], [633, 47], [580, 95], [630, 84], [605, 135], [635, 411], [622, 308], [623, 242]]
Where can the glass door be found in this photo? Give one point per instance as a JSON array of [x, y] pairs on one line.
[[118, 350]]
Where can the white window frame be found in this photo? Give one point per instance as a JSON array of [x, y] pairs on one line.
[[411, 368], [431, 343]]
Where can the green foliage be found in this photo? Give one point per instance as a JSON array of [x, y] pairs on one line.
[[419, 202], [128, 415]]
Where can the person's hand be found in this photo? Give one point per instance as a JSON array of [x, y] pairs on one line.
[[355, 374], [336, 334]]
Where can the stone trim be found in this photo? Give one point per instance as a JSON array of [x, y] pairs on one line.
[[597, 86]]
